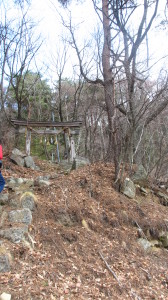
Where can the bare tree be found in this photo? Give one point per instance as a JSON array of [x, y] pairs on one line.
[[116, 19], [25, 47]]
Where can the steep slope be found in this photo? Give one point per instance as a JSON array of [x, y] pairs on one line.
[[86, 240]]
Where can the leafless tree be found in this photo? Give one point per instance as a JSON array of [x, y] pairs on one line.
[[25, 47], [119, 55]]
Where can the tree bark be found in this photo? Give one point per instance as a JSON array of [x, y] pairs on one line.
[[109, 86]]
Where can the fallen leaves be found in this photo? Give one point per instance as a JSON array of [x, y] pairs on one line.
[[65, 263]]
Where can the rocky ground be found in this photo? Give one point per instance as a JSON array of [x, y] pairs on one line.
[[86, 239]]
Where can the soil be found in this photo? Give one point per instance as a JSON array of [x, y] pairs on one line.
[[86, 239]]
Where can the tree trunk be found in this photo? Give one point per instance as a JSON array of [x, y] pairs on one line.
[[109, 86]]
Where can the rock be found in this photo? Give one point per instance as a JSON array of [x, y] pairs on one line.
[[23, 200], [164, 198], [4, 216], [29, 182], [42, 180], [45, 177], [19, 181], [20, 216], [14, 234], [11, 183], [15, 201], [163, 238], [4, 199], [162, 195], [37, 168], [18, 160], [29, 162], [5, 259], [140, 176], [26, 185], [155, 243], [17, 152], [28, 200], [43, 183], [128, 188], [144, 243], [81, 161], [22, 160], [143, 191], [5, 296]]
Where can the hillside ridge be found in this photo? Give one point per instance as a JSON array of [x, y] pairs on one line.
[[87, 239]]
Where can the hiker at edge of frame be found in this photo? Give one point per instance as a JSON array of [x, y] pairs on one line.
[[2, 180]]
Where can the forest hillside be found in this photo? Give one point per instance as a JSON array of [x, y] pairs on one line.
[[85, 239]]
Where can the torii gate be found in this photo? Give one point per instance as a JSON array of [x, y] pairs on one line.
[[69, 128]]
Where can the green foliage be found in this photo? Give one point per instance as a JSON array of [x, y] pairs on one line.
[[32, 94]]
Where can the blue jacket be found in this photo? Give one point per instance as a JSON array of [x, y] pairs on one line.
[[2, 182]]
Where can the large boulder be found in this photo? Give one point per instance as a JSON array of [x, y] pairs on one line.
[[29, 162], [28, 200], [20, 216], [17, 152], [21, 159], [128, 188], [18, 160], [140, 176], [22, 199]]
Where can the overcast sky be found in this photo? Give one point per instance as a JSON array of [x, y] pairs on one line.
[[51, 28], [46, 14]]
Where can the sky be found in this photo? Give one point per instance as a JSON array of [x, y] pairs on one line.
[[46, 13], [50, 26]]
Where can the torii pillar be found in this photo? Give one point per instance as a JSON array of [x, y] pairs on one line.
[[72, 145], [28, 142]]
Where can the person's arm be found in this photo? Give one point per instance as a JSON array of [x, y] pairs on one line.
[[1, 152]]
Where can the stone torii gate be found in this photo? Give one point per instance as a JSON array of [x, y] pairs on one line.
[[68, 128]]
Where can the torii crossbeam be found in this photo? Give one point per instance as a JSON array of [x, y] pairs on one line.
[[64, 126]]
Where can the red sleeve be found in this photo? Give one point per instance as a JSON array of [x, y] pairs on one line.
[[1, 152]]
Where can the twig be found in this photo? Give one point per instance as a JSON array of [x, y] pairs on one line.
[[141, 230], [147, 273], [91, 189], [135, 295], [110, 269]]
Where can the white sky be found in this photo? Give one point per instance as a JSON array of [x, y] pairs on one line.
[[46, 13], [51, 28]]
